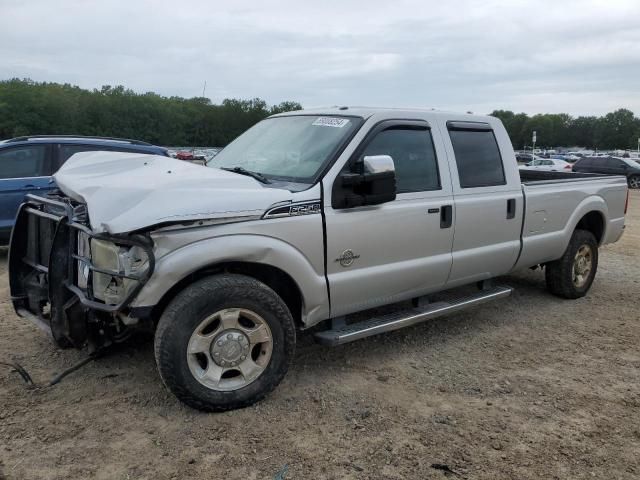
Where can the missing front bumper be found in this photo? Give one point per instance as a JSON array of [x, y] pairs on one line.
[[44, 265]]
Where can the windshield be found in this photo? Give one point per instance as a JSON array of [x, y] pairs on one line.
[[293, 148], [629, 162]]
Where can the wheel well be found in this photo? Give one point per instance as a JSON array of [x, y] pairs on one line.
[[276, 279], [592, 222]]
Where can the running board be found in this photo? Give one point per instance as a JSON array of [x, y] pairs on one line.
[[404, 318]]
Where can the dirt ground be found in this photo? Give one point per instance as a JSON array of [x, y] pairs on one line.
[[525, 388]]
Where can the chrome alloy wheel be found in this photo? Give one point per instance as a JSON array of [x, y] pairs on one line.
[[582, 265], [634, 182], [229, 349]]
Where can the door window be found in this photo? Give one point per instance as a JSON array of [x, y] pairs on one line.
[[413, 155], [618, 165], [585, 162], [23, 162], [477, 157]]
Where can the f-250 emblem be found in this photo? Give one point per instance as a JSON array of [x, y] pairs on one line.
[[347, 258]]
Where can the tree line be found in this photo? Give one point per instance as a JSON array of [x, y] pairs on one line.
[[43, 108], [615, 130]]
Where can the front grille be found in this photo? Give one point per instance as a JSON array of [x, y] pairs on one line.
[[55, 232]]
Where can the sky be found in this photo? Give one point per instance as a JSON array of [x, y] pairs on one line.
[[579, 57]]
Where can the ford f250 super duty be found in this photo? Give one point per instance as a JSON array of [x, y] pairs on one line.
[[302, 221]]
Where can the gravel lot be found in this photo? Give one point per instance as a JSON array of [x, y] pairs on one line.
[[529, 387]]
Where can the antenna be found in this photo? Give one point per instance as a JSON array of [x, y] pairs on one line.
[[204, 88]]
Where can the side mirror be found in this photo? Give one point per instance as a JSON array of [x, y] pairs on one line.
[[374, 184], [378, 164]]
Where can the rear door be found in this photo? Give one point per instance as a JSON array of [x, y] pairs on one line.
[[582, 166], [379, 254], [23, 169], [488, 208]]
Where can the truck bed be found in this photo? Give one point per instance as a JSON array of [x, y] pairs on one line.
[[530, 177], [556, 201]]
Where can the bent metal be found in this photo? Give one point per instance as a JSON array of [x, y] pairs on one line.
[[305, 219]]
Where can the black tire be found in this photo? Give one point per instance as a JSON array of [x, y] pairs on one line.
[[634, 181], [195, 303], [559, 273]]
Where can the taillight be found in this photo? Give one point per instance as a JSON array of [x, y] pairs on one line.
[[626, 202], [567, 167]]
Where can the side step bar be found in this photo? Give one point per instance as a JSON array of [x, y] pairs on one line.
[[396, 320]]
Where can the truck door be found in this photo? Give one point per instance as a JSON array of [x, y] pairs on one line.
[[380, 254], [488, 203], [23, 169]]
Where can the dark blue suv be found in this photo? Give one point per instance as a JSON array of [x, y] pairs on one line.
[[27, 164]]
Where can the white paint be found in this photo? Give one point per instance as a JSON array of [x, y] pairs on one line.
[[126, 192]]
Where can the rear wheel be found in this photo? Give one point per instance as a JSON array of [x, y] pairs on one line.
[[224, 342], [571, 276], [634, 181]]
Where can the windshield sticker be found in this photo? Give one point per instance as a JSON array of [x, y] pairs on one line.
[[331, 122]]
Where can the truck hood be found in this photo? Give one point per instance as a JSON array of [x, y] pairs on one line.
[[126, 192]]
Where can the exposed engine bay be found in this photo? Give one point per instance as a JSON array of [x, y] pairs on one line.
[[76, 283]]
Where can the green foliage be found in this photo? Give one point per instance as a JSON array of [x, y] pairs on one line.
[[619, 129], [33, 108]]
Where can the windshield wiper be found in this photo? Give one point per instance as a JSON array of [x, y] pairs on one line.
[[243, 171]]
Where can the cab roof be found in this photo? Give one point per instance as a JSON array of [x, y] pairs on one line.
[[382, 113]]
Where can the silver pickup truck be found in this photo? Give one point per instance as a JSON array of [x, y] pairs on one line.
[[304, 220]]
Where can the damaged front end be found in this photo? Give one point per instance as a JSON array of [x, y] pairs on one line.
[[74, 283]]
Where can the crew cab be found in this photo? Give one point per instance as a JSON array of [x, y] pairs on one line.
[[305, 219], [27, 163]]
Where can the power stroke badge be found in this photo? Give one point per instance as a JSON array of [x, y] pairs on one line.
[[347, 258]]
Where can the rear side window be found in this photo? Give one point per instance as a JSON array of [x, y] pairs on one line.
[[477, 157], [66, 151], [585, 162], [413, 155], [23, 162]]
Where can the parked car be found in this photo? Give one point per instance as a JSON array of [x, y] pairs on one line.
[[27, 165], [525, 157], [303, 220], [571, 158], [548, 164], [198, 159], [611, 166]]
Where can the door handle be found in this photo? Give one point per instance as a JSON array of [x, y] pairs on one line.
[[511, 208], [446, 216], [29, 186]]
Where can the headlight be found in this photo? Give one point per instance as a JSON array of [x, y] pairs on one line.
[[123, 260]]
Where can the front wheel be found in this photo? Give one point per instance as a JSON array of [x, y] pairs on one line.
[[224, 342], [634, 181], [572, 274]]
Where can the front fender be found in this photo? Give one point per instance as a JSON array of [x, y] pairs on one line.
[[180, 263]]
